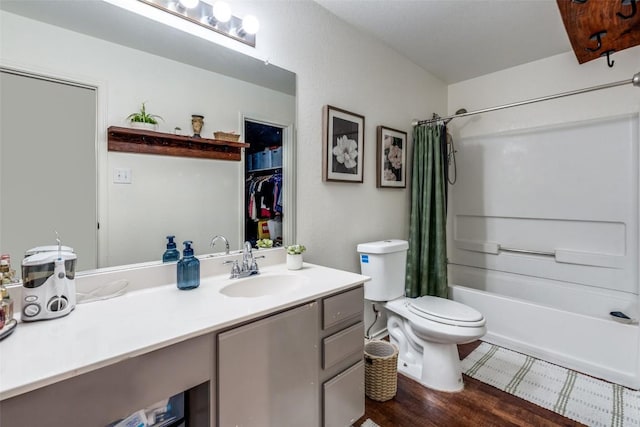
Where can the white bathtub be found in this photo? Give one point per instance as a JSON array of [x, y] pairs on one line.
[[559, 322]]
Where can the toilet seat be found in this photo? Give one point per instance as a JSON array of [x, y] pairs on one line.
[[445, 311]]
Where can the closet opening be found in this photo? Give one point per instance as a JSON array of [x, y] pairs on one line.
[[264, 201]]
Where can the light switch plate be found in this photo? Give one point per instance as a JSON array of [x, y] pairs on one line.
[[122, 176]]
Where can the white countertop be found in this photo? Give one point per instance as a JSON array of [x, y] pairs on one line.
[[102, 333]]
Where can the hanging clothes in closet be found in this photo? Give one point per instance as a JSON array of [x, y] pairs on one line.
[[264, 206]]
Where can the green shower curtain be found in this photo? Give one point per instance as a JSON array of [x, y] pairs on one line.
[[427, 256]]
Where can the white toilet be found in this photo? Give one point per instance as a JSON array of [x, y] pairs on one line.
[[426, 330]]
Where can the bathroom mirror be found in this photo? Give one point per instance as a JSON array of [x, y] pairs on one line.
[[177, 74]]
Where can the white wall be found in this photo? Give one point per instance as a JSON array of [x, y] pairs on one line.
[[335, 65], [160, 200], [556, 74], [549, 76]]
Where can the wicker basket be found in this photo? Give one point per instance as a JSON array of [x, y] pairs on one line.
[[380, 370], [226, 136]]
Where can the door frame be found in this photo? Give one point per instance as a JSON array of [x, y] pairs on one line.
[[288, 176]]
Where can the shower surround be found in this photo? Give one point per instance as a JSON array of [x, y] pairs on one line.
[[543, 240]]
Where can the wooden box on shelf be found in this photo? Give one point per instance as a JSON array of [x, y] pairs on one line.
[[226, 136]]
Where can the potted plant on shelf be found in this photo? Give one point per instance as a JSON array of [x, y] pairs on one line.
[[294, 256], [264, 243], [143, 120]]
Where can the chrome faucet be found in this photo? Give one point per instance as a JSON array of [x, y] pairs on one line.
[[247, 256], [249, 265], [226, 243]]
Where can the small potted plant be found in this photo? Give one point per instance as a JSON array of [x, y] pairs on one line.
[[144, 120], [294, 256], [264, 243]]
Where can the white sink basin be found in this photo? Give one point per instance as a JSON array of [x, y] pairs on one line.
[[263, 285]]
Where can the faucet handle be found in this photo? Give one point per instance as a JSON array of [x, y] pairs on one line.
[[254, 264], [235, 270]]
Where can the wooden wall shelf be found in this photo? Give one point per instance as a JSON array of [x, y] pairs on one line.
[[166, 144], [584, 20]]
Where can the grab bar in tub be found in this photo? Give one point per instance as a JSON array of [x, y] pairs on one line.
[[526, 251], [495, 248], [564, 256]]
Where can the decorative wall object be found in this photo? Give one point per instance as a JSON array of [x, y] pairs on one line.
[[599, 28], [197, 121], [143, 120], [343, 145], [391, 158]]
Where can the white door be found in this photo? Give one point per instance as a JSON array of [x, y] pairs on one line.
[[47, 166]]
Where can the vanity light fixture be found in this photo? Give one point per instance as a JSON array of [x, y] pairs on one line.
[[189, 4], [216, 17], [250, 25], [221, 11]]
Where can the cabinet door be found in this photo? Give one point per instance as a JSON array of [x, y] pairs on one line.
[[268, 371], [344, 397]]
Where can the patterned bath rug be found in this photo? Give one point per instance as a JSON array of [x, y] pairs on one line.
[[574, 395]]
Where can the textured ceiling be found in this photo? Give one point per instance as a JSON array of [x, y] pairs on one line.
[[456, 40]]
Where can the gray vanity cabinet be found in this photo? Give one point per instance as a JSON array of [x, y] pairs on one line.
[[268, 371], [342, 374], [100, 397], [300, 367]]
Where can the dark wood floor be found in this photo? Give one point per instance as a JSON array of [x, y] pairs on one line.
[[478, 405]]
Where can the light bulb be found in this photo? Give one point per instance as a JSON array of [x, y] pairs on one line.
[[221, 11], [189, 4], [250, 24]]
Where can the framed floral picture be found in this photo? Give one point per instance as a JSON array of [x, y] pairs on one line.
[[343, 145], [391, 158]]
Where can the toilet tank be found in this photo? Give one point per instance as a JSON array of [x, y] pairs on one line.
[[385, 262]]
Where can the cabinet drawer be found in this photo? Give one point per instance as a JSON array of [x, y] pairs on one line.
[[343, 306], [344, 397], [341, 345]]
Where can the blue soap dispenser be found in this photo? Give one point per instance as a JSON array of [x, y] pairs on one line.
[[171, 254], [188, 268]]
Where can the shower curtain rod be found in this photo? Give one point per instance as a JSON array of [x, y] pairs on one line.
[[635, 80]]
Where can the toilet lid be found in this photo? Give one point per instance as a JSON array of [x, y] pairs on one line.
[[445, 311]]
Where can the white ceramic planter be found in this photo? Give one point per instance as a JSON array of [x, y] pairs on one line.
[[146, 126], [294, 262]]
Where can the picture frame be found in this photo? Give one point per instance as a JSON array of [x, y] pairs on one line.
[[391, 158], [343, 145]]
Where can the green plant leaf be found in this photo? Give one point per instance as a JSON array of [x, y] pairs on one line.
[[143, 117]]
